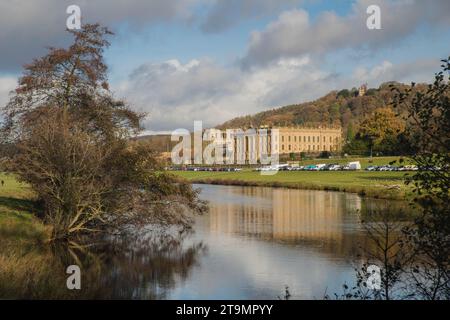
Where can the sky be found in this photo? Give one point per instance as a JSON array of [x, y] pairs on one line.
[[213, 60]]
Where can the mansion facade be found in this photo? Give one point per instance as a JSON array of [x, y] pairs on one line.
[[309, 140], [250, 145]]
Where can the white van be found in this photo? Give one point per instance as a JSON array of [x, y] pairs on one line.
[[354, 165]]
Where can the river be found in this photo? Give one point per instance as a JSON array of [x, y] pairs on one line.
[[260, 240], [252, 243]]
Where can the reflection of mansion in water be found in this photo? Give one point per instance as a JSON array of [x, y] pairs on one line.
[[286, 214]]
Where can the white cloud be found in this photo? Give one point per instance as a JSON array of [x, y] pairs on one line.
[[281, 60], [175, 94], [28, 27], [295, 34], [413, 71]]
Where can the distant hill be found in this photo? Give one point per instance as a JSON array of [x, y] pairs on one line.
[[344, 108], [159, 142]]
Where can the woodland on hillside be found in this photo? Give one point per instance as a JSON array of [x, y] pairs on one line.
[[344, 108], [370, 123], [341, 108]]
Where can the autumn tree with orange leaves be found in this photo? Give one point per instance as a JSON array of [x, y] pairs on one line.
[[382, 124]]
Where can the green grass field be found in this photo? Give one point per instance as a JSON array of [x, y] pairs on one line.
[[389, 185], [17, 212]]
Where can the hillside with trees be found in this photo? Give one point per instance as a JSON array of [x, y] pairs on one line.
[[347, 109]]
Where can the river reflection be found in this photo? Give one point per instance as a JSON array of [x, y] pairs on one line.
[[115, 268], [287, 215], [252, 243], [261, 239]]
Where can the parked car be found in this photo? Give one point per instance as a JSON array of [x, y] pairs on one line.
[[387, 168], [320, 166], [372, 168], [334, 167], [282, 167]]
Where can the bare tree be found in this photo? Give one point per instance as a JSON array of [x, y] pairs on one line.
[[387, 250], [72, 142]]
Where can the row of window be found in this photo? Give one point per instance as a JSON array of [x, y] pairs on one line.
[[314, 139], [310, 148]]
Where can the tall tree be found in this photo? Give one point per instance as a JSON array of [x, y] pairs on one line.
[[75, 81], [73, 147], [382, 124], [429, 129], [350, 132]]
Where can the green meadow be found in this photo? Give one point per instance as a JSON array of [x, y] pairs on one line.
[[18, 220], [386, 185]]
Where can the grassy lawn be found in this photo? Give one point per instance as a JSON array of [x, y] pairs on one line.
[[375, 184], [24, 261], [17, 212]]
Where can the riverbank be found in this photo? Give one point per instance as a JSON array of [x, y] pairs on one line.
[[380, 185], [25, 264]]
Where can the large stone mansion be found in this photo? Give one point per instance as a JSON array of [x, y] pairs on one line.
[[251, 144], [248, 143], [309, 140]]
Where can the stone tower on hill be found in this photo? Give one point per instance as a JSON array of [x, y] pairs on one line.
[[362, 90]]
